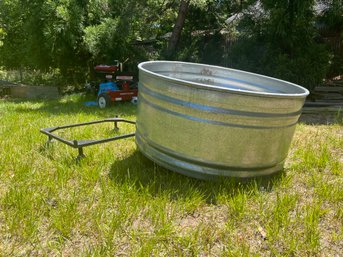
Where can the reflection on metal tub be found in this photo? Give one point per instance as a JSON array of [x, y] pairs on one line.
[[205, 121]]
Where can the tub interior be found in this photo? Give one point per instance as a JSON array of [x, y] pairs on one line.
[[222, 78]]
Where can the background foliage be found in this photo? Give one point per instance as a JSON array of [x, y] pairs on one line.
[[288, 39]]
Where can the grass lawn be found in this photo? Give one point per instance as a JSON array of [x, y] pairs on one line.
[[115, 202]]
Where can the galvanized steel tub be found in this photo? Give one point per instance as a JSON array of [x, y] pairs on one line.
[[206, 121]]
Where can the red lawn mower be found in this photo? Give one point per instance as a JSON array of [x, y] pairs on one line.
[[113, 85]]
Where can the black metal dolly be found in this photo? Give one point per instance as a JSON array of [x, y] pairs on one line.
[[79, 144]]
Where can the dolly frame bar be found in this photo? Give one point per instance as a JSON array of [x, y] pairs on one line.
[[79, 144]]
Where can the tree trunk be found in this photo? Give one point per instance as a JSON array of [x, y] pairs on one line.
[[175, 37], [21, 73]]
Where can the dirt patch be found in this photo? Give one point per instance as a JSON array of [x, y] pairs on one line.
[[27, 91]]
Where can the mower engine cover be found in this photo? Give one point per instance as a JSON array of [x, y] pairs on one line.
[[106, 68]]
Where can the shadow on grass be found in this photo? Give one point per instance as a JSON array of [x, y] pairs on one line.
[[322, 118], [72, 105], [144, 175]]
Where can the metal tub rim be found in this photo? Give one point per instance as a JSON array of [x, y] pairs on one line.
[[187, 83]]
